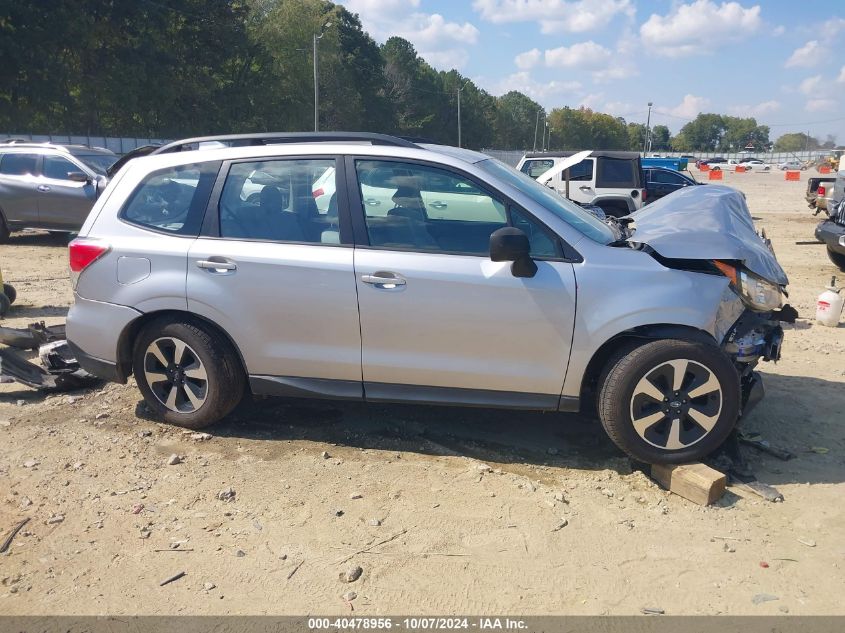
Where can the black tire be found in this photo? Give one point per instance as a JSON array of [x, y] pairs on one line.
[[10, 292], [221, 389], [5, 305], [4, 230], [836, 258], [626, 372]]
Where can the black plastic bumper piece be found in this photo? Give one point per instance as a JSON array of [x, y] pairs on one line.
[[752, 391], [98, 367]]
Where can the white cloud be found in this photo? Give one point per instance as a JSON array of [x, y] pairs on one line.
[[528, 59], [808, 55], [540, 91], [820, 105], [760, 109], [841, 77], [688, 108], [555, 16], [440, 42], [619, 108], [584, 56], [591, 101], [699, 26], [778, 31], [810, 84]]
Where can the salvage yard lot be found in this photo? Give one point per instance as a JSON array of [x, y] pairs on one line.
[[445, 510]]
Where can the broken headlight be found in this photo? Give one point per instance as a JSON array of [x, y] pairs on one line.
[[755, 292]]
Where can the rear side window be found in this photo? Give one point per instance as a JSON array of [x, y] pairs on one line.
[[18, 164], [57, 168], [172, 200], [618, 173], [583, 171]]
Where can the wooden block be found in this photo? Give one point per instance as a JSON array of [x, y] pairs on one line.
[[697, 482]]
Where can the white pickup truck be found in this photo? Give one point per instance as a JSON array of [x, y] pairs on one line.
[[750, 164]]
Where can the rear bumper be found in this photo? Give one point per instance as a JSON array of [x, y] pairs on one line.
[[831, 234], [93, 333]]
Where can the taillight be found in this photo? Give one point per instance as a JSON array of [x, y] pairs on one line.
[[645, 194], [82, 252], [821, 190], [318, 192]]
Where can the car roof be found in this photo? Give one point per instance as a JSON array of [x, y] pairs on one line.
[[596, 153], [75, 150]]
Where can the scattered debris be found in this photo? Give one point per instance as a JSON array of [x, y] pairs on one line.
[[349, 596], [375, 522], [819, 450], [764, 564], [202, 437], [352, 574], [325, 455], [136, 509], [356, 495], [31, 463], [807, 542], [174, 549], [484, 468], [337, 512], [372, 547], [173, 578], [240, 553], [769, 493], [560, 525], [728, 548], [12, 533], [653, 611], [227, 494], [208, 586], [56, 518], [145, 433], [763, 597], [755, 440], [101, 416], [174, 459], [295, 569], [607, 492]]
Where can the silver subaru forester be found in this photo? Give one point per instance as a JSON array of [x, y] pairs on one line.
[[368, 267]]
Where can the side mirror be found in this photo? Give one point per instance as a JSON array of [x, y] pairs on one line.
[[78, 176], [510, 244]]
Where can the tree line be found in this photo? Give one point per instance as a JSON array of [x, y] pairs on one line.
[[176, 68]]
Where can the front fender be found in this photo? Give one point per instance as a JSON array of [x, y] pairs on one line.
[[635, 293]]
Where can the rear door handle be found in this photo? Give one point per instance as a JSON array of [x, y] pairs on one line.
[[584, 188], [373, 202], [437, 204], [384, 280], [222, 266], [43, 188]]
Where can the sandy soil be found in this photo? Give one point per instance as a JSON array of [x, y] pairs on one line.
[[446, 510]]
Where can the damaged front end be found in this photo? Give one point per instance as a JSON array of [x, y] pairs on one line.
[[710, 230]]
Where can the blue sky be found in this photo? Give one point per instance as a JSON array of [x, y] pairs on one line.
[[780, 61]]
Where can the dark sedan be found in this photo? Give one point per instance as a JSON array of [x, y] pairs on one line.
[[661, 181]]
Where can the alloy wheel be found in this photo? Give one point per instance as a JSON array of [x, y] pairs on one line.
[[676, 404], [175, 375]]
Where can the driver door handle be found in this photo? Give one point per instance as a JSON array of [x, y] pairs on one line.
[[383, 279], [43, 188], [217, 266], [584, 188]]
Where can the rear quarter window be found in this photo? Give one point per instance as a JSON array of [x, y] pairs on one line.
[[617, 173], [172, 200]]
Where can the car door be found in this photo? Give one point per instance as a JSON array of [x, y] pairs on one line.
[[581, 181], [440, 321], [19, 188], [63, 204], [277, 275]]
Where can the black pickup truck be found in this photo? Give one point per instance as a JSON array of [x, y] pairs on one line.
[[816, 199], [832, 230]]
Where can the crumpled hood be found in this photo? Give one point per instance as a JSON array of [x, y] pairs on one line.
[[711, 222]]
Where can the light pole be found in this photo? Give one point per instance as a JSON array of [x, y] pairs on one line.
[[317, 37], [536, 126], [647, 139], [547, 132], [459, 110]]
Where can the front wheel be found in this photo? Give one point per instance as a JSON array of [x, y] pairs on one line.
[[669, 401], [10, 293], [836, 258], [188, 376]]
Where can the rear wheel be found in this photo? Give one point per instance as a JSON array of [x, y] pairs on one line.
[[5, 305], [4, 230], [187, 376], [669, 401], [836, 258]]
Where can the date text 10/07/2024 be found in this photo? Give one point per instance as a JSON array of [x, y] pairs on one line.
[[417, 624]]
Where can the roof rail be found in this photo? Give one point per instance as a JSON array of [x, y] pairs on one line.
[[272, 138]]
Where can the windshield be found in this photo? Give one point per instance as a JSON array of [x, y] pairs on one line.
[[566, 210], [98, 162]]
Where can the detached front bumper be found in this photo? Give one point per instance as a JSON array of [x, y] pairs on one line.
[[832, 234]]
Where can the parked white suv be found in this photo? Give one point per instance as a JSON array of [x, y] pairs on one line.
[[477, 286], [608, 179]]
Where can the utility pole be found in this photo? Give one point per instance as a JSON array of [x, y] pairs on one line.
[[536, 125], [459, 110], [647, 139], [317, 38]]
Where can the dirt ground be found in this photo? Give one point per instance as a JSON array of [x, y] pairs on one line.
[[445, 510]]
